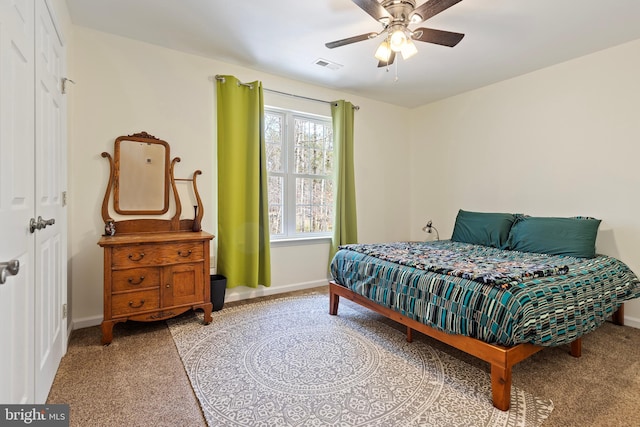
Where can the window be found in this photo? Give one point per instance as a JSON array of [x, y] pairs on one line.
[[299, 149]]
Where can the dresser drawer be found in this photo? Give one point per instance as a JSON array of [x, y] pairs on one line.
[[151, 255], [134, 302], [135, 278]]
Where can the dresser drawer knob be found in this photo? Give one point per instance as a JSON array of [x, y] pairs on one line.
[[136, 283], [140, 256], [183, 254], [136, 306]]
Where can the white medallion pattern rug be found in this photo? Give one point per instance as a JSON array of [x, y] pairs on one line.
[[287, 362]]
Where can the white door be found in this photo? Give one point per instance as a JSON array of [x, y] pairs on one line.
[[50, 244], [32, 178], [17, 200]]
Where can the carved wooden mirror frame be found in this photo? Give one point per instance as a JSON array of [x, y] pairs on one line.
[[174, 223], [141, 178]]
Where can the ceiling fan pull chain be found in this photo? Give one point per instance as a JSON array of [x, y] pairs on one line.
[[396, 79]]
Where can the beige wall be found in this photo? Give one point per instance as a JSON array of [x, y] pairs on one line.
[[124, 86], [561, 141]]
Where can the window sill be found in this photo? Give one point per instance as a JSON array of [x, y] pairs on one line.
[[302, 241]]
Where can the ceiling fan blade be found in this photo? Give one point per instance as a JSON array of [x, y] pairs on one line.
[[432, 8], [392, 57], [350, 40], [373, 8], [443, 38]]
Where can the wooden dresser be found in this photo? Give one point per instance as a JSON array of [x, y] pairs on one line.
[[156, 265], [154, 276]]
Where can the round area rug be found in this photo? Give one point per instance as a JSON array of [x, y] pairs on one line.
[[287, 362]]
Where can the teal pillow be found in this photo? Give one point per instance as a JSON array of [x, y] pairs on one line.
[[555, 236], [483, 228]]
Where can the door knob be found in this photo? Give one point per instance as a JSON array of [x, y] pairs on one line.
[[40, 223], [7, 269]]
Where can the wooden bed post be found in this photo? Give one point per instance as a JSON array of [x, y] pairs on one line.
[[576, 347], [334, 300], [501, 386], [618, 316], [499, 357]]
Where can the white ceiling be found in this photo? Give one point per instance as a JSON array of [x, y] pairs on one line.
[[503, 39]]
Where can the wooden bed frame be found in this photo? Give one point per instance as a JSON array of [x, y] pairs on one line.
[[499, 357]]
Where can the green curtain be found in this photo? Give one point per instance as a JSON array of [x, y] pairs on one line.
[[345, 227], [243, 221]]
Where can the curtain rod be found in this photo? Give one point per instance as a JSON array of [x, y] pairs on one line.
[[249, 85]]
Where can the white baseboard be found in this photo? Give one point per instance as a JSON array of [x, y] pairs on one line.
[[634, 322], [233, 294], [69, 330], [87, 322], [242, 292]]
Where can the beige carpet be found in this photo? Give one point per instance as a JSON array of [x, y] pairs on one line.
[[287, 362], [139, 379]]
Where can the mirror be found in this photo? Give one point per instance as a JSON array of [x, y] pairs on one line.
[[141, 181]]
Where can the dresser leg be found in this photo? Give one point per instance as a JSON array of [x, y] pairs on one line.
[[107, 332], [207, 308]]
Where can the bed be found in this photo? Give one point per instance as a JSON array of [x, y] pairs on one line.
[[503, 288]]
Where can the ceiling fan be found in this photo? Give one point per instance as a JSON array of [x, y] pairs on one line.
[[395, 17]]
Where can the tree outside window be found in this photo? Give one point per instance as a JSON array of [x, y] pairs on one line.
[[299, 149]]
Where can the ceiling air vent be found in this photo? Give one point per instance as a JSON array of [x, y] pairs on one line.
[[327, 64]]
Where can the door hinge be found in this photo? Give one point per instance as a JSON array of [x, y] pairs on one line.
[[64, 198], [64, 311], [64, 84]]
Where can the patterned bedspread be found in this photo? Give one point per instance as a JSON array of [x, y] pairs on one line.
[[482, 264], [501, 297]]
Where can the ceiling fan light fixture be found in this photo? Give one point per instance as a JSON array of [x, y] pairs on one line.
[[396, 16], [408, 49], [383, 53], [397, 40]]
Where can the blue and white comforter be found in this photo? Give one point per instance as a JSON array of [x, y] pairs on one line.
[[497, 296]]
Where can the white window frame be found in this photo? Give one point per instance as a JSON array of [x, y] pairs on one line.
[[290, 236]]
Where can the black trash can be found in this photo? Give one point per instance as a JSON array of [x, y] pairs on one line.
[[218, 288]]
